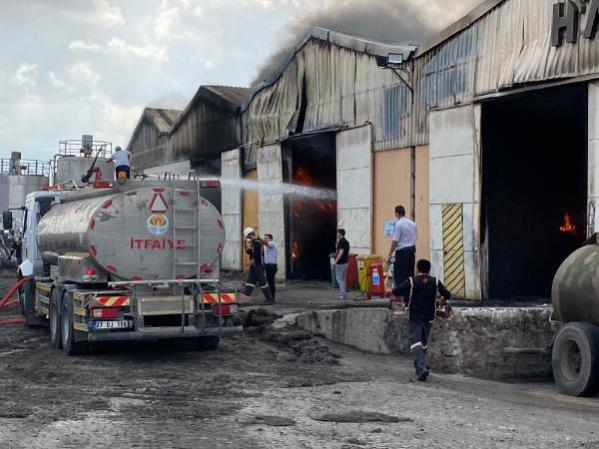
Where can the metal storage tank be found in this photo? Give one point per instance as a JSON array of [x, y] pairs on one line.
[[71, 168], [18, 178], [14, 190], [75, 158]]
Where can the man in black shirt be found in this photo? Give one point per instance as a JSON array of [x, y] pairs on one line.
[[341, 262], [256, 276], [422, 292]]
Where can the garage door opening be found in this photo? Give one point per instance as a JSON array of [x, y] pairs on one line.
[[311, 222], [534, 188]]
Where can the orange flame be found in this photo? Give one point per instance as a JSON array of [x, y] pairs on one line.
[[568, 227], [295, 252]]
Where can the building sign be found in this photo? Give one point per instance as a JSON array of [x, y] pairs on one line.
[[389, 225], [567, 20]]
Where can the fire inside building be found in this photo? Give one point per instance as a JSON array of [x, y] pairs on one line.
[[488, 135]]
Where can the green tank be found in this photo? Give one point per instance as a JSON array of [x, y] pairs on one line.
[[575, 290]]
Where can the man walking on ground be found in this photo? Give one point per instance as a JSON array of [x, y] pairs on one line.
[[122, 162], [256, 276], [422, 292], [403, 247], [341, 262], [270, 261]]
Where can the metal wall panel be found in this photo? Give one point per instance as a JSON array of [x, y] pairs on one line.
[[593, 166], [343, 88], [354, 187], [271, 205], [455, 179], [231, 209], [250, 214], [453, 250], [392, 187]]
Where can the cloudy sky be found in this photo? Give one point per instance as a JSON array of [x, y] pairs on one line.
[[73, 67]]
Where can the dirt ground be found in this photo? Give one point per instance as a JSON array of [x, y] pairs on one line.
[[259, 390]]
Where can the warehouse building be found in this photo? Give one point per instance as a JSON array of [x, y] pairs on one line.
[[489, 134], [318, 123], [511, 110], [177, 142]]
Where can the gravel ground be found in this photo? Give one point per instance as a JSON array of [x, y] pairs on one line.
[[258, 391]]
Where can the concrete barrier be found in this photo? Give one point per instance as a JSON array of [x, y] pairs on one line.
[[490, 343]]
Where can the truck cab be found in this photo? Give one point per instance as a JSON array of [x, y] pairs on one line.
[[37, 204]]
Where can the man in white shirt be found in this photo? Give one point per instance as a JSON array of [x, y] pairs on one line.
[[403, 247], [270, 262], [122, 162]]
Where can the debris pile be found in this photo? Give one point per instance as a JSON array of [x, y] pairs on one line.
[[300, 345]]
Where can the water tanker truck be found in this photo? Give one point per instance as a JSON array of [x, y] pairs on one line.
[[137, 261], [575, 297]]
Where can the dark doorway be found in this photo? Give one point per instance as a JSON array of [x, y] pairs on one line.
[[310, 222], [534, 188]]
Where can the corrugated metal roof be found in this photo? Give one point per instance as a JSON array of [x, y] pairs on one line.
[[355, 43], [460, 25], [225, 97], [163, 119], [234, 95]]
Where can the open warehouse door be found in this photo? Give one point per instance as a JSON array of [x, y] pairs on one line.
[[534, 187], [311, 221]]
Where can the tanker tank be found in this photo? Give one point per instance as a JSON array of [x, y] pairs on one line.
[[143, 230], [575, 290]]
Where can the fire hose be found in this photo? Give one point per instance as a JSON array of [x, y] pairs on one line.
[[7, 302]]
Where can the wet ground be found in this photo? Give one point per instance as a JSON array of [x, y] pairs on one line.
[[266, 389]]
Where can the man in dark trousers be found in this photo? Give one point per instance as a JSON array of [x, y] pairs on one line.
[[403, 247], [256, 277], [341, 262], [422, 292], [270, 261]]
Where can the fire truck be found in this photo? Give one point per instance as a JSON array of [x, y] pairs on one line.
[[134, 260]]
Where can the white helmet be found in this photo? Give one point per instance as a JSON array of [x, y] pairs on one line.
[[247, 232]]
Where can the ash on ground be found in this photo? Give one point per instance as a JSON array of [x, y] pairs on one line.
[[298, 345]]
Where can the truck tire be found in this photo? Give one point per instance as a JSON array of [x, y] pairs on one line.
[[575, 359], [55, 323], [72, 340], [32, 320], [208, 343]]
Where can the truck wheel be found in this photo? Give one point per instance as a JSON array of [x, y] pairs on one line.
[[575, 359], [208, 343], [71, 339], [32, 320], [55, 325]]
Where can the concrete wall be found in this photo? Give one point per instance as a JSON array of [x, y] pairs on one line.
[[231, 210], [354, 187], [593, 157], [455, 179], [392, 187], [480, 342], [271, 205]]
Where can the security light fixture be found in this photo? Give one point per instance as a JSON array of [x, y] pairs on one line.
[[395, 59]]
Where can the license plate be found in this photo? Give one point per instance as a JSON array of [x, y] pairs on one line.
[[123, 324]]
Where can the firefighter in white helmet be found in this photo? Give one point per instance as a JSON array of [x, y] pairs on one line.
[[256, 275]]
